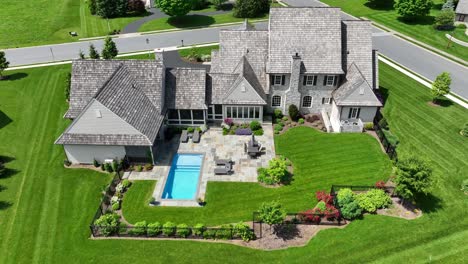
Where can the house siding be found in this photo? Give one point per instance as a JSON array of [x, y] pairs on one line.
[[109, 123], [85, 154], [366, 114]]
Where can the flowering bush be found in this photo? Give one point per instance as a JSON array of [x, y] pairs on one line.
[[324, 196], [115, 199], [243, 131], [380, 184], [228, 121], [119, 188]]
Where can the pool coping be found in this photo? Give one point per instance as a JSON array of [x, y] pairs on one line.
[[182, 202]]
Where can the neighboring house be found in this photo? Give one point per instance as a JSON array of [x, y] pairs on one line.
[[308, 57], [462, 11]]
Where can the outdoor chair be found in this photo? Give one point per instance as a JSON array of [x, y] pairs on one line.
[[184, 137], [196, 137], [223, 162], [222, 170]]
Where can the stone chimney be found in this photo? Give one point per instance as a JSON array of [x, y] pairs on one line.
[[293, 96], [159, 55]]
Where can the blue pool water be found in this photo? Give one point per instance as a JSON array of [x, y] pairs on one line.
[[182, 181]]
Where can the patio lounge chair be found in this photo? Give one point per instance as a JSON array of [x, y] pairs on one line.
[[184, 136], [196, 137], [223, 162], [222, 170]]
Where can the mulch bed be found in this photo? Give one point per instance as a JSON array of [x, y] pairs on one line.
[[406, 210]]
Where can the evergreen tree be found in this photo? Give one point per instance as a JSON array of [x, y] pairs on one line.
[[92, 7], [81, 55], [449, 5], [413, 176], [110, 49], [3, 63], [93, 54]]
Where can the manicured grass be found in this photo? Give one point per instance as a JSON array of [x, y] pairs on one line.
[[190, 21], [421, 30], [460, 34], [46, 208], [198, 50], [49, 21]]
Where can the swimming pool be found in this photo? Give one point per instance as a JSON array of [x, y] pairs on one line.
[[182, 180]]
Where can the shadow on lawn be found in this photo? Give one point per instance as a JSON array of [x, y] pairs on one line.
[[382, 94], [4, 205], [8, 172], [380, 5], [15, 76], [444, 102], [4, 121], [425, 20], [191, 21], [429, 203]]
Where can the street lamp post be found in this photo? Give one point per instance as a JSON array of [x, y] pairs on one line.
[[149, 50]]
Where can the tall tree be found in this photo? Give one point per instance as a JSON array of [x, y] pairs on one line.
[[92, 7], [3, 63], [111, 8], [251, 8], [218, 3], [413, 176], [81, 55], [110, 49], [93, 54], [411, 9], [175, 7], [441, 86]]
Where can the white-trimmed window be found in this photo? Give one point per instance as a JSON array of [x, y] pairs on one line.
[[276, 101], [330, 80], [307, 101], [278, 79], [309, 80], [354, 112], [326, 100]]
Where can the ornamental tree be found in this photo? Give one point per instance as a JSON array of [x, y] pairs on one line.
[[218, 3], [175, 7], [93, 54], [111, 8], [413, 176], [271, 213], [110, 49], [445, 20], [441, 86], [3, 63], [411, 9]]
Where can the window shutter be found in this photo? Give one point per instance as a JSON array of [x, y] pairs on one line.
[[325, 80], [315, 80], [304, 80], [272, 79], [335, 81], [350, 112], [323, 100], [283, 79], [358, 112]]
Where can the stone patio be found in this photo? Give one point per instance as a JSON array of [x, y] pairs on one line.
[[214, 146]]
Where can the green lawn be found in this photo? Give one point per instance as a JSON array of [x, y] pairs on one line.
[[359, 161], [46, 208], [49, 21], [387, 16], [198, 50]]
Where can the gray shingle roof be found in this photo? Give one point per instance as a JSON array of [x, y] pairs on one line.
[[220, 83], [462, 7], [185, 88], [356, 91], [93, 139], [357, 47], [313, 33], [88, 76]]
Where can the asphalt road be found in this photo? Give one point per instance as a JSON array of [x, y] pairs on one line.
[[413, 57]]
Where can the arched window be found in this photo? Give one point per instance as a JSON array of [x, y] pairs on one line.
[[276, 100], [307, 101]]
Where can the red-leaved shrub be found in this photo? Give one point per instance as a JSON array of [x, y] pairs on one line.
[[331, 213], [324, 196], [380, 184], [312, 216]]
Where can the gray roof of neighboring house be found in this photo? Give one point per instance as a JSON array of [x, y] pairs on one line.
[[462, 7], [89, 76], [313, 33], [186, 88], [356, 91], [125, 97], [357, 41]]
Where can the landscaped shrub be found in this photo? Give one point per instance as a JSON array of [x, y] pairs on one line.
[[301, 121], [139, 168], [464, 131], [148, 166], [139, 228], [271, 213], [324, 196], [255, 125], [108, 224], [225, 232], [115, 206], [351, 210], [380, 184], [169, 229], [199, 4], [103, 168], [251, 8], [183, 230], [369, 126], [96, 163], [258, 132], [311, 216], [445, 20], [154, 229], [174, 8], [331, 213], [293, 112], [136, 6], [108, 167], [275, 173], [278, 127], [209, 234], [115, 166], [228, 121], [383, 123], [413, 176], [321, 206], [412, 9], [243, 231], [344, 196], [66, 163], [391, 138], [126, 183], [285, 118], [373, 200], [277, 114], [190, 129], [243, 131], [462, 26], [198, 229]]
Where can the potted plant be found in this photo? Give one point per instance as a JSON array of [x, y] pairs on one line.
[[201, 202]]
